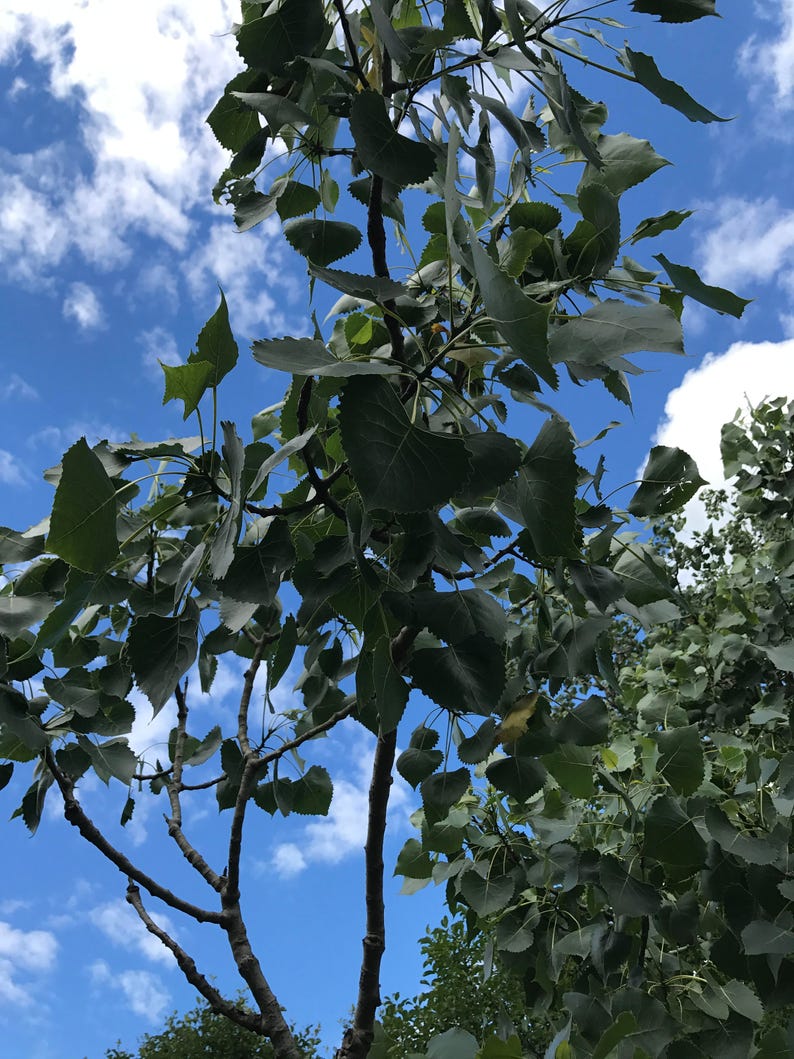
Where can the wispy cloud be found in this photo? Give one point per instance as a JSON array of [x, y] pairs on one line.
[[767, 60], [24, 955], [159, 346], [120, 924], [82, 305], [12, 472], [143, 991], [15, 388]]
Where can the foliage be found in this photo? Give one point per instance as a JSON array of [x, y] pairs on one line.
[[200, 1033], [644, 893], [457, 992], [419, 546]]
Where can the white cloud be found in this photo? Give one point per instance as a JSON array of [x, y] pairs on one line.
[[760, 249], [151, 158], [61, 438], [343, 832], [82, 305], [252, 268], [143, 991], [769, 61], [12, 472], [711, 394], [158, 345], [120, 923], [23, 953], [17, 388]]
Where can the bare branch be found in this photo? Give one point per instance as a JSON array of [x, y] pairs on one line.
[[174, 788], [78, 818], [247, 1019], [357, 1040], [245, 698]]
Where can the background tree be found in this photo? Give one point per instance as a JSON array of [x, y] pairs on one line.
[[201, 1032], [416, 533], [644, 893]]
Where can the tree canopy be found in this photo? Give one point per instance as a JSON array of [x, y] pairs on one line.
[[425, 547]]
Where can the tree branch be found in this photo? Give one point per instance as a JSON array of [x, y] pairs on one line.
[[77, 817], [247, 1019], [174, 788], [357, 1040]]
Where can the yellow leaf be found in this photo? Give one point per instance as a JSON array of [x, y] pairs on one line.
[[515, 723]]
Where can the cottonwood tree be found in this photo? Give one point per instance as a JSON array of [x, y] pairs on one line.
[[643, 887], [418, 529]]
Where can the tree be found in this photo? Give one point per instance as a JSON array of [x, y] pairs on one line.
[[457, 992], [644, 893], [417, 530], [201, 1033]]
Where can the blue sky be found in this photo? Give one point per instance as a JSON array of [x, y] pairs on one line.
[[111, 251]]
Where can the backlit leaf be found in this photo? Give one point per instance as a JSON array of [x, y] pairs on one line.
[[83, 521]]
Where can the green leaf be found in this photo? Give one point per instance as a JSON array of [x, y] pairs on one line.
[[397, 465], [599, 209], [442, 790], [232, 123], [627, 162], [781, 655], [486, 893], [6, 772], [322, 241], [627, 895], [16, 719], [742, 999], [413, 862], [285, 649], [113, 759], [525, 134], [623, 1025], [228, 530], [383, 150], [572, 768], [670, 479], [586, 725], [19, 547], [452, 1044], [546, 491], [309, 356], [277, 110], [161, 650], [415, 764], [296, 199], [670, 835], [467, 677], [368, 288], [83, 521], [495, 458], [452, 616], [290, 28], [20, 612], [540, 216], [761, 938], [666, 222], [187, 383], [613, 329], [294, 445], [518, 777], [206, 748], [216, 345], [675, 10], [522, 322], [313, 792], [668, 92], [514, 931], [690, 283], [255, 572], [681, 758], [378, 682], [752, 850]]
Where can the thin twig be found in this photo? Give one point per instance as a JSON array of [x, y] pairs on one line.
[[175, 788]]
